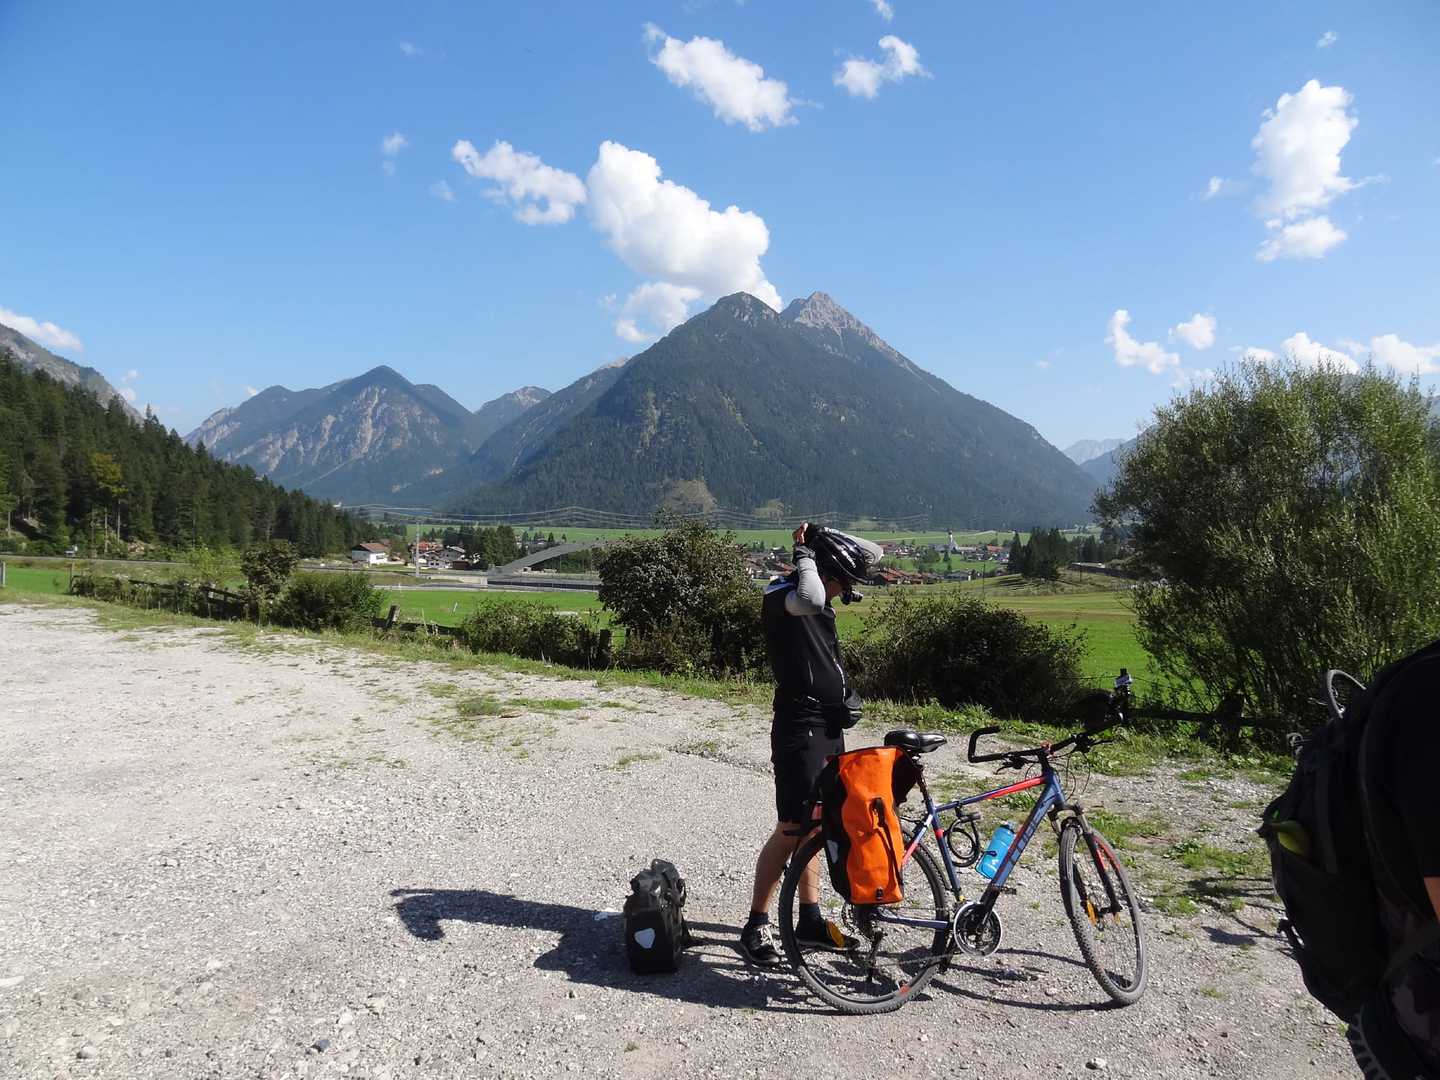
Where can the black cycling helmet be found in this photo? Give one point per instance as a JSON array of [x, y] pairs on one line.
[[839, 555]]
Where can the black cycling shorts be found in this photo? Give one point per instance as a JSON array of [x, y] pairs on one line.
[[798, 752]]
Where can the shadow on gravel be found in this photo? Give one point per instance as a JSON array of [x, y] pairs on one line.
[[590, 951], [992, 981]]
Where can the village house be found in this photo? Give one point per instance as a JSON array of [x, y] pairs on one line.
[[369, 554]]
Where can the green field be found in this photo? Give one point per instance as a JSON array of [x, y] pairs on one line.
[[781, 537], [43, 580]]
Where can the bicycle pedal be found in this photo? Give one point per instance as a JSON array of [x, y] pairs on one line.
[[1008, 890]]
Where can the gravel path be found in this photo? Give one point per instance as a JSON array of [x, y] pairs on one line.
[[291, 859]]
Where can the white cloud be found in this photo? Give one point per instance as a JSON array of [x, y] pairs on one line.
[[734, 87], [251, 391], [1300, 348], [46, 333], [442, 191], [130, 376], [1327, 39], [626, 330], [542, 195], [387, 167], [1130, 353], [862, 78], [1310, 238], [410, 49], [1043, 365], [128, 393], [1253, 352], [1390, 350], [883, 9], [1297, 150], [1198, 333], [393, 143], [1217, 187], [668, 233]]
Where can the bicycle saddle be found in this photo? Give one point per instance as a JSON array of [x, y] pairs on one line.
[[917, 742]]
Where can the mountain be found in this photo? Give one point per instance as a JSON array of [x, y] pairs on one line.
[[494, 415], [1089, 449], [357, 440], [741, 406], [31, 356], [1104, 468]]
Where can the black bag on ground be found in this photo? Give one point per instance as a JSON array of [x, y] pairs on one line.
[[655, 930], [1327, 842]]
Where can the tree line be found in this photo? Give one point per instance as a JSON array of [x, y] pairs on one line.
[[1048, 551], [74, 471]]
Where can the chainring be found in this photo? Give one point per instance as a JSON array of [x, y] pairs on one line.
[[974, 935]]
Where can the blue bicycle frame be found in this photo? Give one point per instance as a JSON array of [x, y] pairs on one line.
[[1051, 802]]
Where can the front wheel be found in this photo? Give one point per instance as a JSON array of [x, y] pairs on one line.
[[876, 965], [1103, 911]]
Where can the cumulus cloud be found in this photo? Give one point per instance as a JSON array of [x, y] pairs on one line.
[[1198, 333], [251, 391], [393, 143], [862, 77], [668, 233], [128, 393], [46, 333], [410, 49], [542, 195], [1310, 238], [1327, 39], [1131, 353], [883, 9], [1390, 350], [734, 87], [1297, 151], [1254, 352], [1308, 353], [130, 376], [442, 191]]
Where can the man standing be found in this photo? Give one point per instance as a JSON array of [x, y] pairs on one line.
[[813, 705]]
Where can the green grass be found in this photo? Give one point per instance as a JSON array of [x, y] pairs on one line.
[[45, 580], [546, 704], [1120, 829]]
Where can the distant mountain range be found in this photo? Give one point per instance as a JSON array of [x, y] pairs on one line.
[[1089, 449], [1105, 467], [32, 356], [357, 440], [739, 408]]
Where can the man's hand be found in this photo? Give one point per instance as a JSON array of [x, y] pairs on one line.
[[799, 534]]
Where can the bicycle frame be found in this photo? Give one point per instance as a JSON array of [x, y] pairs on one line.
[[1051, 802]]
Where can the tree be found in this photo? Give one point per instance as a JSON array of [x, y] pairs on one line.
[[1288, 520], [267, 566]]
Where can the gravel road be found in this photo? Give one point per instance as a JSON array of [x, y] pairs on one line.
[[288, 859]]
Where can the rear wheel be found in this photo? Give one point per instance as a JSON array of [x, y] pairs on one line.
[[880, 964], [1103, 911]]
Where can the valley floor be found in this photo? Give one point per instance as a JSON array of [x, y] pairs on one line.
[[290, 859]]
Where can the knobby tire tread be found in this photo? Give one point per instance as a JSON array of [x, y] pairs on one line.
[[1071, 835]]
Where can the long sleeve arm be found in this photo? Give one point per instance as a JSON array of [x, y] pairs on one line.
[[808, 596]]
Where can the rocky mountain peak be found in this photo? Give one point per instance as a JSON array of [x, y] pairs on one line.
[[742, 307], [820, 311], [529, 395]]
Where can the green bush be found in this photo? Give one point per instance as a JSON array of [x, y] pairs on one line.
[[533, 631], [958, 650], [685, 601], [327, 602]]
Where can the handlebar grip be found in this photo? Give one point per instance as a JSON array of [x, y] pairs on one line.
[[975, 737]]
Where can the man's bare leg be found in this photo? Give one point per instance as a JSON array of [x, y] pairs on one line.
[[770, 867]]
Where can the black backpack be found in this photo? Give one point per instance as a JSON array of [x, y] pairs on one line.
[[655, 930], [1324, 833]]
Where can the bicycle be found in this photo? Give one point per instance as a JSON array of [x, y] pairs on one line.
[[887, 954]]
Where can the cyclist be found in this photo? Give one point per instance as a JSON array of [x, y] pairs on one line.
[[1398, 1033], [813, 705]]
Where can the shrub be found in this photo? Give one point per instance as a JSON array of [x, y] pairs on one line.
[[267, 565], [533, 631], [685, 601], [958, 650], [327, 602]]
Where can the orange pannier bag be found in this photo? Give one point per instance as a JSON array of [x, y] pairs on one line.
[[858, 792]]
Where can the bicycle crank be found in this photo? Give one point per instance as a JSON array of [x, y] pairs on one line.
[[975, 931]]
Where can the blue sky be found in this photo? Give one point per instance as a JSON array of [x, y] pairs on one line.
[[1036, 203]]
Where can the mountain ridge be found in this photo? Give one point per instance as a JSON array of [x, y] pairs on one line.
[[30, 355]]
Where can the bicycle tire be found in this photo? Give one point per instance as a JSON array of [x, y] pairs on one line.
[[1087, 904], [840, 987]]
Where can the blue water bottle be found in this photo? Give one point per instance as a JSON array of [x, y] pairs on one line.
[[996, 849]]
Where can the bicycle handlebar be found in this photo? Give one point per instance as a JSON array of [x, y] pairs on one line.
[[975, 738], [1083, 739]]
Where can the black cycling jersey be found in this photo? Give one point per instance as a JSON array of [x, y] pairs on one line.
[[804, 655]]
